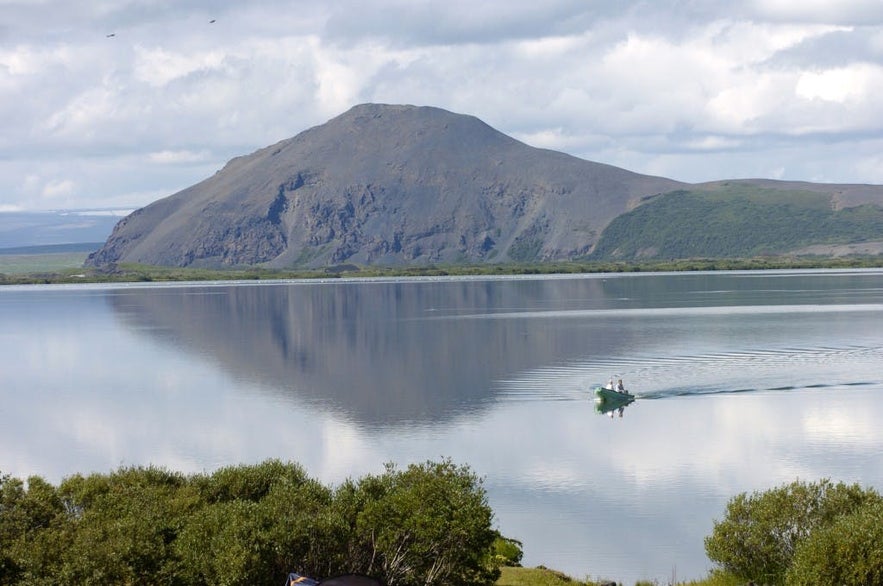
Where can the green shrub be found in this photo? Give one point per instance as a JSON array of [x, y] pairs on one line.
[[507, 551], [760, 534], [429, 524], [247, 525], [224, 543], [848, 552], [121, 527]]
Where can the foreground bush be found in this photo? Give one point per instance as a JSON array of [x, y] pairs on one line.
[[849, 552], [760, 534], [247, 525]]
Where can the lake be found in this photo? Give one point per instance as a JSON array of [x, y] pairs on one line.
[[746, 381]]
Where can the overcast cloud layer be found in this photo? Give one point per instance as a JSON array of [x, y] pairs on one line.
[[117, 103]]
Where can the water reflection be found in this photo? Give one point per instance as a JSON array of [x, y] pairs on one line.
[[611, 409], [379, 353], [417, 352], [749, 387]]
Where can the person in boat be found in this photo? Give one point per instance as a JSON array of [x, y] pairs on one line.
[[620, 387], [609, 386]]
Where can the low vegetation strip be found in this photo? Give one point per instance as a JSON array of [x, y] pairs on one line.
[[56, 269], [23, 264]]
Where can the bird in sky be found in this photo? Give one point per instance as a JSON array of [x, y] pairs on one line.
[[111, 35], [212, 21]]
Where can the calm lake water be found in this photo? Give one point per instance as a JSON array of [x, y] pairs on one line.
[[745, 381]]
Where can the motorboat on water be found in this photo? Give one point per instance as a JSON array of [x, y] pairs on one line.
[[605, 395], [608, 401]]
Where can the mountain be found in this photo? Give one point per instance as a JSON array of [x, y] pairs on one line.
[[385, 184], [394, 185]]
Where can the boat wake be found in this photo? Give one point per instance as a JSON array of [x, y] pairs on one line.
[[692, 391], [743, 371]]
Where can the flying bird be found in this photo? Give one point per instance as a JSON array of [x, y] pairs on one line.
[[212, 21], [111, 35]]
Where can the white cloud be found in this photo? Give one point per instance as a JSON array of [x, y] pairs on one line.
[[58, 188], [158, 66], [694, 91], [179, 157], [836, 85], [842, 11]]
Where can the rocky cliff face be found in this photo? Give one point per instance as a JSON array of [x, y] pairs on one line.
[[384, 184]]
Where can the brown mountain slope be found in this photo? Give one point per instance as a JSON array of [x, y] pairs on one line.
[[384, 184]]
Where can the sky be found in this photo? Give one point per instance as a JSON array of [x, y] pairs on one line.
[[113, 104]]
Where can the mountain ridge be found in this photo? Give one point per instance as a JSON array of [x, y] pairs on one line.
[[396, 185]]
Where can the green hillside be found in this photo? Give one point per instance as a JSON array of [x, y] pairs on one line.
[[734, 221]]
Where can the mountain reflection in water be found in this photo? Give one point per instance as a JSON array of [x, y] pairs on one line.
[[742, 381], [390, 353], [380, 353]]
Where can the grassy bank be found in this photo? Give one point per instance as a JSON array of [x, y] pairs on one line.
[[58, 264], [68, 268], [536, 577]]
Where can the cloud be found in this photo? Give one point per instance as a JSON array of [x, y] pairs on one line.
[[859, 12], [179, 157], [837, 85], [158, 67], [58, 188], [654, 86]]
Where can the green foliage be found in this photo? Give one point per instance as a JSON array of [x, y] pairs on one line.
[[251, 483], [736, 221], [246, 525], [848, 552], [31, 519], [507, 552], [225, 543], [428, 524], [760, 534]]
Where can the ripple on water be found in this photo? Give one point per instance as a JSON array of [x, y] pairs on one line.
[[741, 371]]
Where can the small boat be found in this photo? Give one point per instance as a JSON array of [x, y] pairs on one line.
[[603, 395]]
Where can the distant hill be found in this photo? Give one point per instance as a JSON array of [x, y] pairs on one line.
[[83, 247], [60, 231], [741, 220], [395, 185]]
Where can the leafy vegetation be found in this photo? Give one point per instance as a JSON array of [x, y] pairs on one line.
[[847, 551], [736, 221], [427, 524], [717, 578], [788, 530]]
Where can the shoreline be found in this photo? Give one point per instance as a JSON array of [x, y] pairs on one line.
[[40, 269]]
